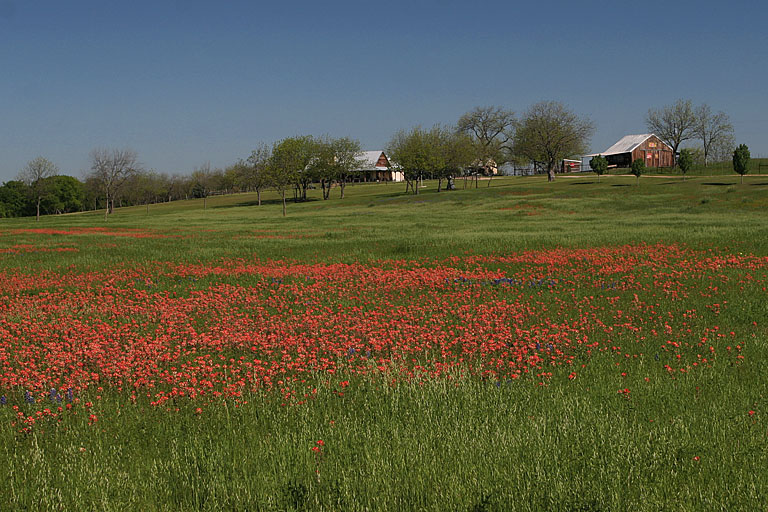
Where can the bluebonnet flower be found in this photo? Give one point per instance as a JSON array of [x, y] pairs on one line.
[[28, 397], [70, 395], [3, 400]]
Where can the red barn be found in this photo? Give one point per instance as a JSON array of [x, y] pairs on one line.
[[648, 147]]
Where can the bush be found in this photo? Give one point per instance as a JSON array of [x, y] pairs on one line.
[[638, 168], [741, 160], [685, 162], [599, 165]]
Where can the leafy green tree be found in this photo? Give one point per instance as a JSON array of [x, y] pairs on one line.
[[406, 152], [346, 158], [599, 165], [741, 160], [638, 168], [65, 195], [289, 158], [418, 153], [685, 162], [35, 175], [550, 132], [14, 199], [458, 153], [334, 160]]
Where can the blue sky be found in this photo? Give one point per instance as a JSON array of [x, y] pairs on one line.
[[184, 83]]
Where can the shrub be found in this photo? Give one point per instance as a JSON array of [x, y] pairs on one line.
[[638, 168], [599, 165], [685, 162], [741, 160]]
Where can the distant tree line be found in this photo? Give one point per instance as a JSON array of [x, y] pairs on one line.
[[481, 141]]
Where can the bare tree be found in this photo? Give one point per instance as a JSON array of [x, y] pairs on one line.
[[673, 124], [491, 129], [35, 175], [714, 130], [256, 175], [203, 180], [549, 132], [111, 169]]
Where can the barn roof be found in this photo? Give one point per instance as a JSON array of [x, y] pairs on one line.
[[626, 144]]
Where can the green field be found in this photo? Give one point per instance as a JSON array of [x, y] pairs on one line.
[[612, 350]]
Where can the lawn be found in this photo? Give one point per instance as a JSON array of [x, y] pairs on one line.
[[516, 346]]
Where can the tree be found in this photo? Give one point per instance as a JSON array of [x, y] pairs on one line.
[[685, 162], [66, 195], [110, 170], [35, 175], [599, 165], [712, 129], [457, 152], [741, 160], [335, 160], [203, 182], [256, 175], [417, 153], [673, 123], [549, 132], [14, 199], [146, 187], [290, 157], [491, 129], [638, 168]]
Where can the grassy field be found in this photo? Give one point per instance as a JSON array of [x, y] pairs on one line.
[[519, 346]]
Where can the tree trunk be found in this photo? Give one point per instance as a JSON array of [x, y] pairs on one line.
[[342, 184], [439, 183], [489, 180], [258, 196], [37, 219], [551, 172], [283, 194]]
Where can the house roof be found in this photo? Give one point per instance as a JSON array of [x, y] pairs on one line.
[[626, 144], [371, 158]]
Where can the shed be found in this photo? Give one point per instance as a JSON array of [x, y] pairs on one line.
[[647, 146]]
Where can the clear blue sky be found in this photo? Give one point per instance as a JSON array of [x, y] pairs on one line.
[[188, 82]]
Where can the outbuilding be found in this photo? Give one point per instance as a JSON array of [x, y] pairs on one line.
[[647, 146]]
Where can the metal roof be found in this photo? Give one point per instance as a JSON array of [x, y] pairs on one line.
[[626, 144], [370, 158]]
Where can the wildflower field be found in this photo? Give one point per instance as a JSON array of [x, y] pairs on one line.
[[522, 346]]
